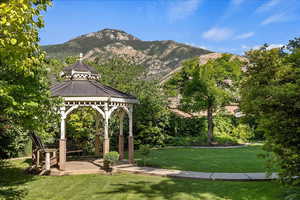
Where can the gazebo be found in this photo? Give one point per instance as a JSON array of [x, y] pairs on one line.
[[81, 87]]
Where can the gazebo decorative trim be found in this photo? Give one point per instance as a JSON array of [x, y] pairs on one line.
[[81, 88], [111, 100]]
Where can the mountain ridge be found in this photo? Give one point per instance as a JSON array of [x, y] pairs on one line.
[[159, 57]]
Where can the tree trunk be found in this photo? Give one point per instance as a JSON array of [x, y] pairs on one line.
[[210, 124]]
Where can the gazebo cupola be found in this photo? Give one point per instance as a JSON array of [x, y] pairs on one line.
[[81, 87], [80, 71]]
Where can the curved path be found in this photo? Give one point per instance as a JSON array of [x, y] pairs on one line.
[[196, 175], [208, 147]]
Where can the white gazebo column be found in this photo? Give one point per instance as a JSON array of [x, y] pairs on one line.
[[62, 141], [47, 161], [97, 136], [121, 137], [106, 138], [130, 138]]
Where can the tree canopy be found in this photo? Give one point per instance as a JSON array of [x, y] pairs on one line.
[[24, 95], [270, 93], [208, 87], [151, 114]]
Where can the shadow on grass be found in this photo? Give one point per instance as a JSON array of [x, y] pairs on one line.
[[13, 178], [173, 188], [167, 189]]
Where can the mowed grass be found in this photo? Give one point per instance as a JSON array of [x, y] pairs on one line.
[[15, 184], [244, 159]]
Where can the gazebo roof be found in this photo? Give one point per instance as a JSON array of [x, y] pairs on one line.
[[81, 67], [86, 88], [81, 81]]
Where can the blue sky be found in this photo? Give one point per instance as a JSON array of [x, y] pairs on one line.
[[219, 25]]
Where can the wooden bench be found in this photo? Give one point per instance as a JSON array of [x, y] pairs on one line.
[[50, 155], [39, 151]]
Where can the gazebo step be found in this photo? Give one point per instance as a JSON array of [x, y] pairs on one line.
[[56, 172], [90, 171]]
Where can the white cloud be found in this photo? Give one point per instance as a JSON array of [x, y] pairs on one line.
[[244, 35], [218, 34], [255, 47], [203, 47], [268, 5], [280, 17], [183, 9], [195, 45], [275, 46]]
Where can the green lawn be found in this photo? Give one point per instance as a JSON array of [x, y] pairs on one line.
[[244, 159], [14, 184]]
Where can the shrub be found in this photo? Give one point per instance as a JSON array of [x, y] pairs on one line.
[[187, 141], [243, 132], [144, 151], [229, 128], [12, 140], [180, 126], [293, 194], [226, 139], [111, 157]]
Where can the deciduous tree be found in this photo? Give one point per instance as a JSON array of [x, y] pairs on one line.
[[208, 87], [270, 93], [24, 94]]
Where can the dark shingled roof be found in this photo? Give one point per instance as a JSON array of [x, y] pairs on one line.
[[81, 85], [81, 67], [86, 88]]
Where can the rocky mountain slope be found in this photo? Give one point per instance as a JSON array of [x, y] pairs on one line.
[[159, 57]]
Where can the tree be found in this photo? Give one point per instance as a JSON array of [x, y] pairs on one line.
[[69, 60], [24, 94], [208, 87], [151, 114], [270, 93], [294, 44], [120, 74]]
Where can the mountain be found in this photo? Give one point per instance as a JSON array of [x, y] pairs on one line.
[[159, 57]]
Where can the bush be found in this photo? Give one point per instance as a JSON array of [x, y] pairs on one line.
[[180, 126], [111, 157], [226, 139], [144, 151], [187, 141], [243, 132], [229, 129], [12, 140], [293, 194]]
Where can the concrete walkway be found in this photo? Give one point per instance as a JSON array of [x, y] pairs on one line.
[[95, 167], [207, 147], [196, 175]]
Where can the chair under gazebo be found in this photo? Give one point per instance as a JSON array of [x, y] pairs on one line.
[[81, 87]]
